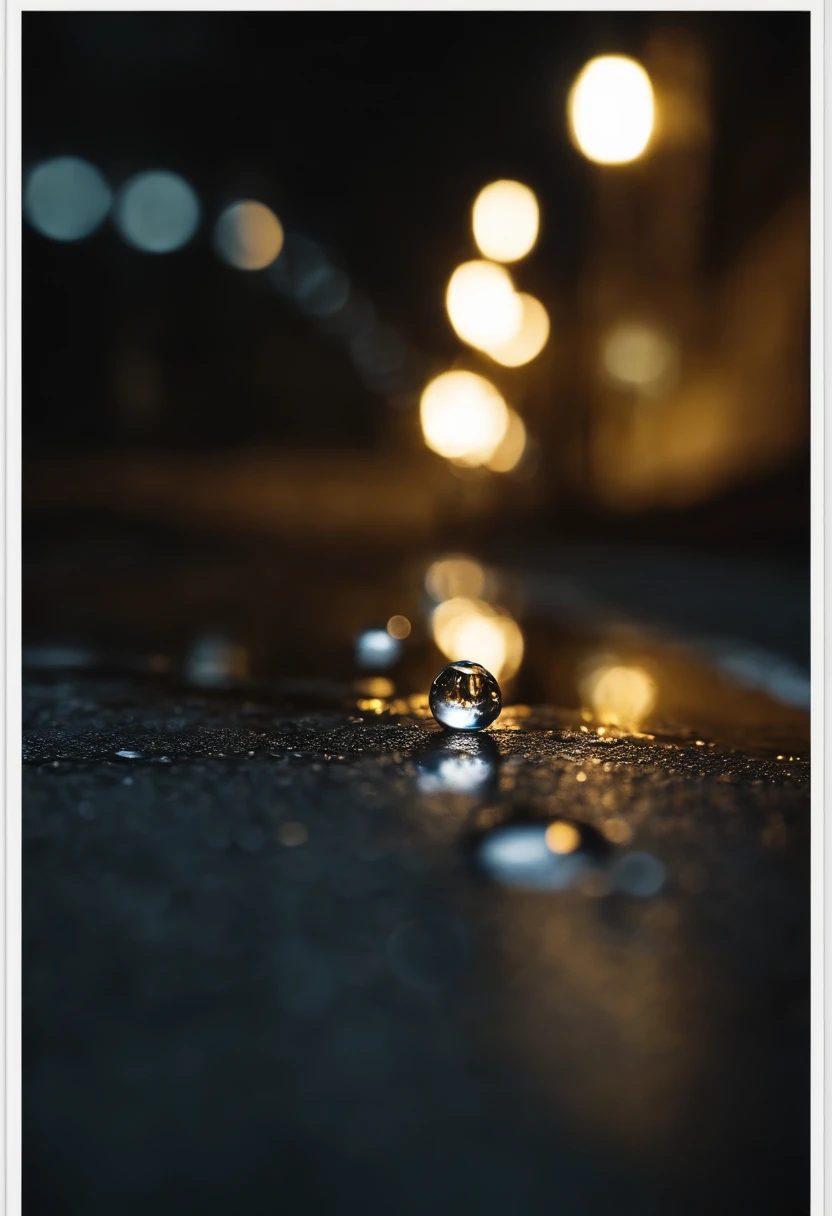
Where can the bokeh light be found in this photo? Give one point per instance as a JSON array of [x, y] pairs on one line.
[[463, 417], [611, 110], [376, 649], [157, 211], [636, 355], [617, 695], [66, 198], [510, 452], [483, 306], [248, 235], [562, 837], [455, 576], [471, 629], [399, 627], [505, 221], [529, 340]]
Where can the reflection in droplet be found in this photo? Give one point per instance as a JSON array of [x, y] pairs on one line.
[[465, 696], [66, 198], [376, 649], [458, 764], [639, 874], [214, 661], [157, 212], [126, 754], [505, 220], [546, 855], [248, 235]]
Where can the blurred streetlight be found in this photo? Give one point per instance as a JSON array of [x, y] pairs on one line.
[[248, 235], [530, 339], [483, 306], [611, 110], [463, 417], [505, 220], [510, 452]]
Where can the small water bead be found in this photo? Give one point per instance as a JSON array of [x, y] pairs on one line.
[[464, 696]]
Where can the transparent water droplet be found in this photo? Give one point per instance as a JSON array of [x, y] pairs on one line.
[[464, 696], [125, 754]]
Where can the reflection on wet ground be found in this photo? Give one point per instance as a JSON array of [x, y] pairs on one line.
[[565, 956]]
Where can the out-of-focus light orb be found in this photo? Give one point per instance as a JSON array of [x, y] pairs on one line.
[[562, 837], [618, 695], [635, 355], [639, 874], [66, 198], [463, 417], [157, 212], [530, 339], [510, 452], [376, 649], [483, 306], [248, 235], [471, 629], [305, 274], [505, 219], [214, 661], [399, 627], [536, 856], [611, 110], [454, 577]]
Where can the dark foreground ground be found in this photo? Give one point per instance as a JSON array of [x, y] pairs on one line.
[[263, 968]]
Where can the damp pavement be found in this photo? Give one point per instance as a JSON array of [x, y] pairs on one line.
[[300, 955]]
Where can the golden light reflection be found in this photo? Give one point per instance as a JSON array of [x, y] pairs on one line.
[[471, 629], [483, 306], [375, 686], [510, 452], [505, 220], [530, 339], [618, 695], [638, 356], [399, 627], [450, 577], [562, 837], [611, 110], [463, 417], [249, 235]]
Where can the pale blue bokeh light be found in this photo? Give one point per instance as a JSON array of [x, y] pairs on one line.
[[157, 212], [66, 198]]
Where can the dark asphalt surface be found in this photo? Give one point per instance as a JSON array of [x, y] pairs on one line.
[[262, 969]]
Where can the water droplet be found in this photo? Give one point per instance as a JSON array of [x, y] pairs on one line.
[[464, 696], [125, 754]]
